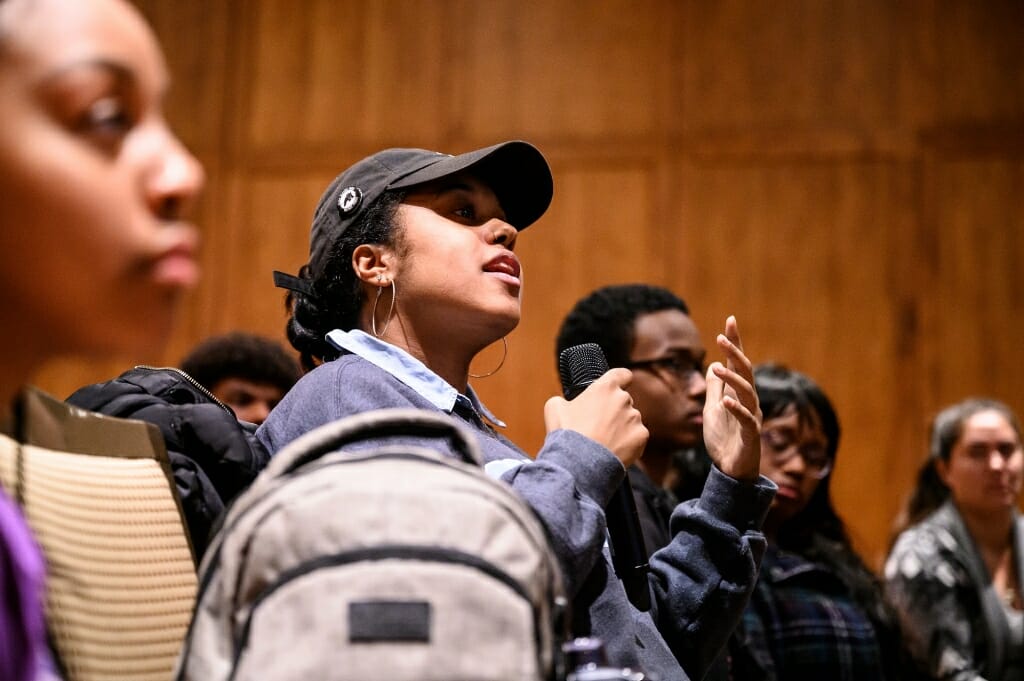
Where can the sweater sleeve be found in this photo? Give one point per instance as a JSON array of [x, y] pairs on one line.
[[568, 486], [702, 580]]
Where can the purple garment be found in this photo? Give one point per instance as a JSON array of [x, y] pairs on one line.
[[22, 627]]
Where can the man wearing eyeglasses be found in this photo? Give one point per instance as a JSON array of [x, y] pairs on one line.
[[648, 329]]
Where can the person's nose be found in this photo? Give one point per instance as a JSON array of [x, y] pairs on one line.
[[174, 177], [261, 410], [698, 386], [255, 411], [503, 233], [795, 465], [996, 460]]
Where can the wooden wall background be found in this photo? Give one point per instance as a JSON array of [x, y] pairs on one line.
[[846, 176]]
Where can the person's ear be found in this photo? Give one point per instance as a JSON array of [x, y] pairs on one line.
[[373, 264]]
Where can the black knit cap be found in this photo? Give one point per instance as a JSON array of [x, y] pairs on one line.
[[515, 171]]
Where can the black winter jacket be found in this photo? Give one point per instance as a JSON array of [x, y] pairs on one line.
[[213, 455]]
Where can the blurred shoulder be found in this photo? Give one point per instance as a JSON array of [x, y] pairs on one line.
[[928, 549]]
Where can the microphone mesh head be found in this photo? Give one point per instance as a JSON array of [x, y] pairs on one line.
[[579, 366]]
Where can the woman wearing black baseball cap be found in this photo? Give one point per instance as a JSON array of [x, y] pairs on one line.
[[412, 272]]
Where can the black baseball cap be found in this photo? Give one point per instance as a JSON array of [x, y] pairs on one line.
[[515, 171]]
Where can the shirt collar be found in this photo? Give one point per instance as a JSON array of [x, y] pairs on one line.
[[409, 371]]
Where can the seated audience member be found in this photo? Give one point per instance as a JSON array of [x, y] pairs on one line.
[[247, 372], [91, 231], [648, 329], [955, 571], [412, 273], [817, 612]]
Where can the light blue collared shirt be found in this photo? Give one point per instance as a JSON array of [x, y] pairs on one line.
[[409, 371], [417, 376]]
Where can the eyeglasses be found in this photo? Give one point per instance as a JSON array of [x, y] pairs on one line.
[[681, 365], [782, 446]]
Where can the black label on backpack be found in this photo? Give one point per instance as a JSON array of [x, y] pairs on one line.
[[389, 622]]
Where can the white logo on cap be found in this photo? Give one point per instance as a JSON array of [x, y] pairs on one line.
[[349, 199]]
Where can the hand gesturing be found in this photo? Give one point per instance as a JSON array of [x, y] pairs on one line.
[[732, 414]]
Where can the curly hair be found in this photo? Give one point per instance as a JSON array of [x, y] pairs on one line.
[[336, 295], [242, 355], [606, 316]]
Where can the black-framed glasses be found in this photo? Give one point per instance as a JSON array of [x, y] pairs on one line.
[[681, 365], [782, 446]]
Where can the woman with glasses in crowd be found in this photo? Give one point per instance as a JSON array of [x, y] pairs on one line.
[[955, 572], [817, 612]]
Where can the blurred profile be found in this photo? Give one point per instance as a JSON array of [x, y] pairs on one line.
[[92, 234]]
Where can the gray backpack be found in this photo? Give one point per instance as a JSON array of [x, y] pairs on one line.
[[381, 561]]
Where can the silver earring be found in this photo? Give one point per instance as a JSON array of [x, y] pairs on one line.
[[504, 355], [391, 308]]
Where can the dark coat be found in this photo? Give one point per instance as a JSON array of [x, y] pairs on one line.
[[213, 455]]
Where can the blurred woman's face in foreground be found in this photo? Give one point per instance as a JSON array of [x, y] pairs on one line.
[[93, 182], [984, 470]]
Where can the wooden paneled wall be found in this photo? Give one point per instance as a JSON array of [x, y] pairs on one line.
[[846, 176]]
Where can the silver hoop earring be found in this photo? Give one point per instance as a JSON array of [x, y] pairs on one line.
[[391, 310], [504, 355]]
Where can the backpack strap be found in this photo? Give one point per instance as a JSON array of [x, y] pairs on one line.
[[374, 425]]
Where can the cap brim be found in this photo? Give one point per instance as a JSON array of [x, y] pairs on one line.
[[516, 171]]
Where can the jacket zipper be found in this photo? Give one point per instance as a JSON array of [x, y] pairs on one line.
[[196, 384]]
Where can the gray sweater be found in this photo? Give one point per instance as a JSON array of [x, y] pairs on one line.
[[699, 583]]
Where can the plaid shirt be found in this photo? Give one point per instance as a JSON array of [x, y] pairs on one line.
[[801, 624]]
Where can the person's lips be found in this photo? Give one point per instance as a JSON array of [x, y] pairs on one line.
[[999, 487], [175, 266], [789, 493], [506, 267]]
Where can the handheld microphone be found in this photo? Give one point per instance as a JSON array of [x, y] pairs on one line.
[[578, 367]]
